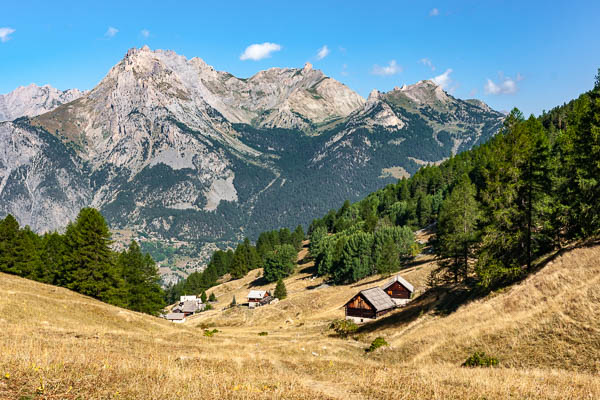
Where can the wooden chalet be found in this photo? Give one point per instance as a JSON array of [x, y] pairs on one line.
[[258, 298], [369, 304], [399, 290]]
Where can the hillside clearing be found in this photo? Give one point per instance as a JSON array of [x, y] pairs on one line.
[[545, 331]]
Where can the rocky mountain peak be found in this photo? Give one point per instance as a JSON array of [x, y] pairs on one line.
[[34, 100], [422, 92], [374, 96]]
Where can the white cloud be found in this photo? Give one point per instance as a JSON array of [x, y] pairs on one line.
[[506, 85], [111, 32], [391, 69], [427, 62], [259, 51], [444, 79], [145, 33], [5, 34], [323, 52], [434, 12]]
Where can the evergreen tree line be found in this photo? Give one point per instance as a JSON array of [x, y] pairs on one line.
[[531, 189], [81, 260], [274, 250]]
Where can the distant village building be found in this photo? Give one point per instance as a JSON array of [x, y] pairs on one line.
[[189, 307], [183, 299], [369, 304], [399, 290], [176, 317], [258, 298]]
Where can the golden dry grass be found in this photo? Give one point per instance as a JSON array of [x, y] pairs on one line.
[[56, 344]]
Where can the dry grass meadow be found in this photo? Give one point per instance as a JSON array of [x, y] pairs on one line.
[[545, 331]]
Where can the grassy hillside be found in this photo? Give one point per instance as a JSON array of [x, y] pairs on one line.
[[544, 330]]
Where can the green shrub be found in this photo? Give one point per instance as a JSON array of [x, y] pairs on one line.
[[210, 333], [480, 359], [343, 327], [377, 343], [212, 297], [263, 333]]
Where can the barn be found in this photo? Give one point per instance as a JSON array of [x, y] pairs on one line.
[[399, 290], [369, 304]]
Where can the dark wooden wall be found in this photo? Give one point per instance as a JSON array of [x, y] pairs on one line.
[[397, 291]]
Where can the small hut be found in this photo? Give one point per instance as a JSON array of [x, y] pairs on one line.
[[177, 318], [369, 304], [257, 298], [399, 290]]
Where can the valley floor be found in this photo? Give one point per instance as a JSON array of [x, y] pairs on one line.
[[56, 344]]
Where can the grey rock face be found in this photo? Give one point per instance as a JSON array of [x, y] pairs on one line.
[[28, 101]]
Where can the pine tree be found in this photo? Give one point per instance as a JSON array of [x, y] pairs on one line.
[[203, 297], [239, 264], [357, 260], [389, 260], [90, 264], [141, 288], [19, 249], [280, 290], [233, 302], [516, 186], [457, 230], [53, 257], [212, 297], [279, 262], [298, 237]]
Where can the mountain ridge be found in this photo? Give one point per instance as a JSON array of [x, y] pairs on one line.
[[168, 149]]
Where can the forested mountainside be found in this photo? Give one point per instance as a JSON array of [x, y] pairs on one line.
[[496, 208], [180, 156]]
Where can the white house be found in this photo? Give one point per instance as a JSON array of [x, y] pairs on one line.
[[183, 299]]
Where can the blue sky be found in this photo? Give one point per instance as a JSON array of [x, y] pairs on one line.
[[530, 54]]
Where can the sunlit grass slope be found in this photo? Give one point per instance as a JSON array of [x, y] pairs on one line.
[[56, 344]]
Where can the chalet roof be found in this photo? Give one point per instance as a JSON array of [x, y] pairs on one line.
[[257, 294], [401, 281], [175, 316], [377, 298], [189, 306]]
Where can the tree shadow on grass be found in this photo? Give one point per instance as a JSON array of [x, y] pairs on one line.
[[260, 281], [372, 281], [309, 270], [441, 300]]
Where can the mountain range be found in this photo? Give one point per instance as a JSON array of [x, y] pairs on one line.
[[186, 158]]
